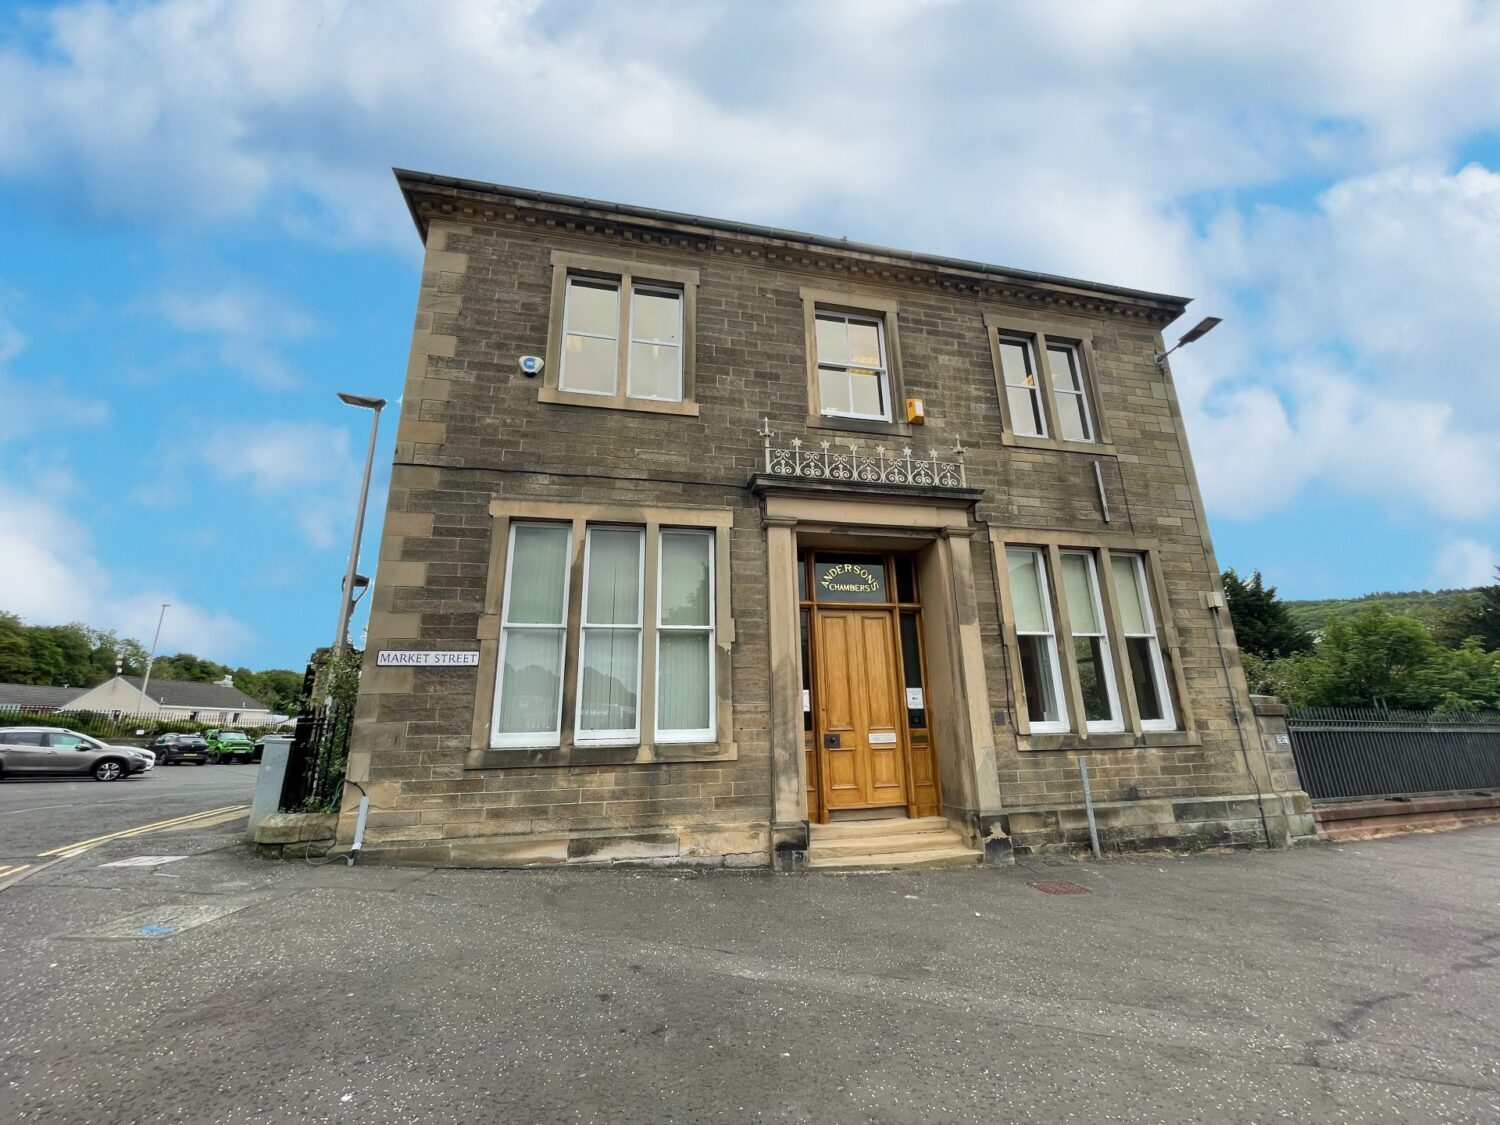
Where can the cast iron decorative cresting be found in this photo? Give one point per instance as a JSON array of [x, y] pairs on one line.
[[852, 463]]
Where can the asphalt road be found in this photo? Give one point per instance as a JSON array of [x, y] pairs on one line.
[[39, 814], [1340, 984]]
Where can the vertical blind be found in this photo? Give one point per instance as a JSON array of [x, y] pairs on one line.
[[534, 632], [609, 666]]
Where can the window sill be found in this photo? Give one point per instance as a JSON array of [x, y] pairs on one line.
[[596, 754], [1149, 740], [1057, 445], [857, 425], [613, 402]]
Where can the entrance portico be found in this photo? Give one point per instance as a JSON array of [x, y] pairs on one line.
[[871, 597]]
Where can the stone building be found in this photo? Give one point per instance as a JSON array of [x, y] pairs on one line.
[[778, 548]]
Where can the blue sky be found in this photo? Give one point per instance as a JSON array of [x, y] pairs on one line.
[[200, 243]]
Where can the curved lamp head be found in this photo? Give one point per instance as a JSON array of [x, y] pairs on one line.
[[369, 402], [1196, 332]]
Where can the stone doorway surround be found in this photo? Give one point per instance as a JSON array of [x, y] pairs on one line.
[[937, 524]]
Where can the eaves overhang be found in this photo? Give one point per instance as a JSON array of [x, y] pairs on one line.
[[426, 193]]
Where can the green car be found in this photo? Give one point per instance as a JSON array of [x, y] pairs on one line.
[[231, 745]]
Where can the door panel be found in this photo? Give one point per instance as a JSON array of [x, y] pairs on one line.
[[860, 726]]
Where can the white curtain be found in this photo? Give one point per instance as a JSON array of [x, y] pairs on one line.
[[1026, 591], [685, 638], [1128, 595], [531, 674], [1079, 591], [609, 665]]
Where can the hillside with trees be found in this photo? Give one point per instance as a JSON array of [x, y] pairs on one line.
[[78, 656], [1419, 651]]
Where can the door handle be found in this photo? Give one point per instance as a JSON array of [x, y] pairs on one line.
[[831, 742]]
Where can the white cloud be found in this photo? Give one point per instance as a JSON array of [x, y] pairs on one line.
[[50, 575], [246, 324], [1464, 563], [304, 467]]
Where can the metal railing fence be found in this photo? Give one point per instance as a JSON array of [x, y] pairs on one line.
[[124, 726], [1345, 753], [319, 753]]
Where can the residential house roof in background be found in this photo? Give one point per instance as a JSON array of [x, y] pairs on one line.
[[37, 696], [185, 693]]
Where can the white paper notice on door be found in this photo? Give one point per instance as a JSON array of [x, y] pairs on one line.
[[914, 699], [806, 700]]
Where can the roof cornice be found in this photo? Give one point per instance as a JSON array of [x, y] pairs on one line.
[[430, 197]]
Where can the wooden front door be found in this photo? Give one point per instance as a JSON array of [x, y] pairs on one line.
[[860, 726]]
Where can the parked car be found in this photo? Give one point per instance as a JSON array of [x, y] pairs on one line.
[[231, 745], [52, 750], [174, 748]]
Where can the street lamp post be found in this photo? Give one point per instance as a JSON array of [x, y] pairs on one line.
[[150, 660], [1196, 332], [346, 595]]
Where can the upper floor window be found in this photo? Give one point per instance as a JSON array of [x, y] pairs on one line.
[[600, 313], [1044, 383], [853, 378], [621, 335]]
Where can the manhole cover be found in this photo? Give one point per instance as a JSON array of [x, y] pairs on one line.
[[1059, 887]]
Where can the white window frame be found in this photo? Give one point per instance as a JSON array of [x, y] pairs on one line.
[[707, 733], [1038, 404], [591, 282], [655, 291], [1060, 724], [1116, 722], [529, 739], [622, 736], [883, 370], [1075, 356], [1168, 721]]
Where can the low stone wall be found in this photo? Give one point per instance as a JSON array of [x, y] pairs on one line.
[[1175, 825], [736, 845], [1364, 820], [295, 835]]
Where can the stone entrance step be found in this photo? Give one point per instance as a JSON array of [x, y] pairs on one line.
[[877, 844]]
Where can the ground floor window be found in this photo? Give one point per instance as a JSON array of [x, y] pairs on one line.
[[608, 634], [1086, 640]]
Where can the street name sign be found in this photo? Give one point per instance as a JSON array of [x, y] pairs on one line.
[[398, 658]]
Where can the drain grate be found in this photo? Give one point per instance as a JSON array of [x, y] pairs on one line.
[[1059, 887]]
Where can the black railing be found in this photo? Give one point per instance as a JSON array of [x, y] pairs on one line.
[[319, 753], [1345, 753]]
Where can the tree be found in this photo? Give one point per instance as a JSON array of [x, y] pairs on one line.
[[1463, 679], [1370, 659], [1478, 616], [1262, 623]]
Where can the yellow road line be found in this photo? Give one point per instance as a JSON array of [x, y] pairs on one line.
[[14, 869], [209, 821], [140, 830]]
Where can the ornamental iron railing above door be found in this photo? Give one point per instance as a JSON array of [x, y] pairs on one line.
[[850, 462]]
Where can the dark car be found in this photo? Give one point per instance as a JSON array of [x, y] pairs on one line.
[[174, 749]]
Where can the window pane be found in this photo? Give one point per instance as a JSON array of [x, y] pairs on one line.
[[850, 578], [1088, 654], [530, 681], [682, 682], [1128, 594], [1026, 591], [1015, 363], [685, 561], [1079, 591], [1143, 678], [1037, 679], [614, 577], [1024, 416], [1071, 421], [608, 669], [594, 307], [906, 583], [589, 365], [833, 340], [656, 372], [864, 345], [865, 394], [538, 574], [656, 316], [1064, 369], [833, 391]]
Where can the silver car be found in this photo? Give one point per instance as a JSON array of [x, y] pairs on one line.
[[51, 750]]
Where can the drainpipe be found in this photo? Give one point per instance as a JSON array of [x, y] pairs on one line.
[[1239, 720]]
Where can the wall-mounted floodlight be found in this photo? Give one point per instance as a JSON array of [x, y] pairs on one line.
[[1196, 332]]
